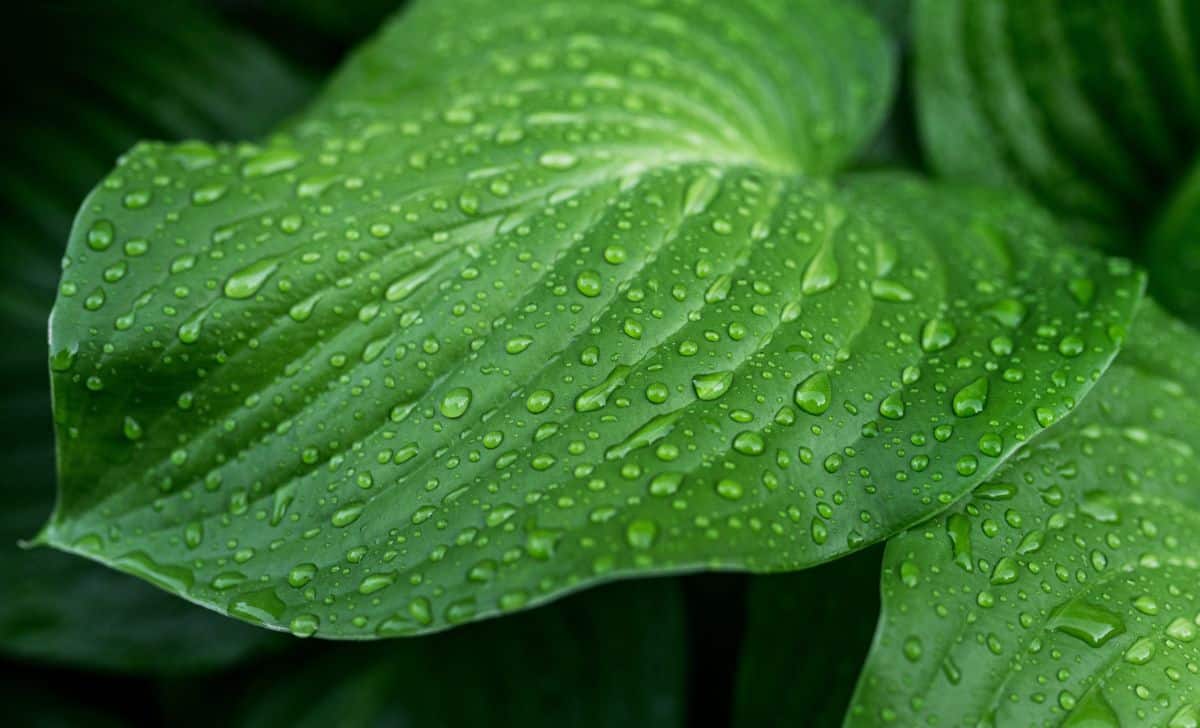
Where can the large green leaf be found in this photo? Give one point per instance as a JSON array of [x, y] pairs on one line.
[[1094, 107], [615, 656], [79, 106], [806, 637], [1064, 591], [543, 302]]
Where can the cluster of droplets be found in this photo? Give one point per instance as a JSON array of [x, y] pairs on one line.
[[1064, 587]]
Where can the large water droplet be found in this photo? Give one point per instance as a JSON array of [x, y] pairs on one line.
[[712, 385], [455, 402], [971, 399], [246, 282], [814, 394]]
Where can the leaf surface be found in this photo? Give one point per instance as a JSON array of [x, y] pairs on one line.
[[1063, 592], [546, 302]]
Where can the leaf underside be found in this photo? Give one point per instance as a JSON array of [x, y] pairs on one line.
[[547, 301], [1064, 590]]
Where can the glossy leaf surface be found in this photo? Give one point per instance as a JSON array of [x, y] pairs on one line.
[[1063, 592], [545, 303]]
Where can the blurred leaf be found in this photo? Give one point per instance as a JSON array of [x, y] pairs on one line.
[[85, 81], [1094, 107]]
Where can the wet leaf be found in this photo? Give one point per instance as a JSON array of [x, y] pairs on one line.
[[549, 302], [1064, 590]]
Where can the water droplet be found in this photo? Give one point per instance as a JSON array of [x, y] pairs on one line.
[[892, 406], [455, 402], [372, 583], [1092, 624], [271, 161], [262, 606], [712, 385], [665, 484], [890, 291], [304, 625], [100, 235], [1005, 571], [646, 435], [640, 534], [749, 443], [821, 273], [539, 401], [814, 394], [730, 489], [1100, 506], [937, 334], [588, 283], [958, 528], [246, 282], [1140, 652], [1009, 312], [346, 515], [558, 160], [596, 397], [517, 344], [300, 574], [971, 399]]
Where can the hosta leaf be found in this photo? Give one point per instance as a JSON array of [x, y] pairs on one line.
[[614, 656], [806, 637], [1063, 592], [542, 303], [1094, 107], [67, 120]]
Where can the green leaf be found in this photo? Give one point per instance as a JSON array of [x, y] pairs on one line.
[[75, 108], [614, 656], [807, 635], [546, 303], [1093, 107], [1064, 590]]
